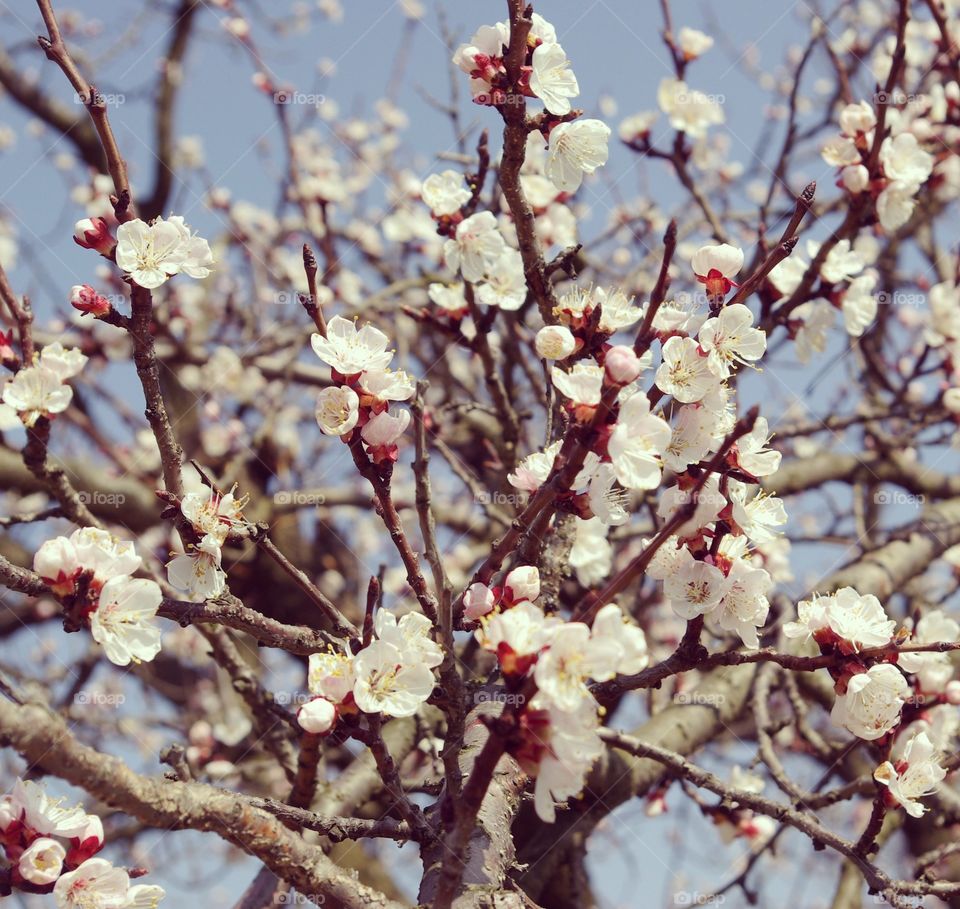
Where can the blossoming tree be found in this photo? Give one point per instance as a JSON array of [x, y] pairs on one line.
[[548, 568]]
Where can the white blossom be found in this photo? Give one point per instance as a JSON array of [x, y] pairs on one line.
[[919, 778], [870, 707], [576, 149]]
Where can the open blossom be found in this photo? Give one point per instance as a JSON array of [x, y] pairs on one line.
[[576, 149], [841, 263], [710, 502], [617, 310], [716, 267], [380, 386], [122, 622], [350, 351], [895, 205], [475, 248], [44, 815], [730, 338], [150, 254], [637, 444], [628, 640], [744, 606], [552, 80], [506, 285], [338, 409], [695, 588], [572, 747], [871, 705], [688, 110], [752, 454], [685, 373], [933, 670], [211, 512], [857, 118], [533, 470], [36, 391], [692, 436], [445, 192], [582, 384], [759, 517], [198, 572], [516, 635], [196, 259], [693, 43], [571, 657], [916, 775], [390, 681], [61, 561], [858, 620], [859, 305], [904, 160], [96, 884]]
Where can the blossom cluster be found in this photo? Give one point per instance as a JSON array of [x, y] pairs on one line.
[[699, 354], [877, 693], [90, 574], [905, 165], [575, 148], [365, 387], [51, 847], [393, 674], [557, 741], [212, 516]]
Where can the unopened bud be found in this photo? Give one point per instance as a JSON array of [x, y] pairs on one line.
[[85, 299], [622, 365], [555, 342], [93, 233]]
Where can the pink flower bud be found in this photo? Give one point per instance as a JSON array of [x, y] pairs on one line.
[[622, 365], [93, 233], [523, 583], [477, 601], [85, 299], [317, 715]]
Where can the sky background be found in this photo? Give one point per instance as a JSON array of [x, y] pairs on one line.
[[619, 60]]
